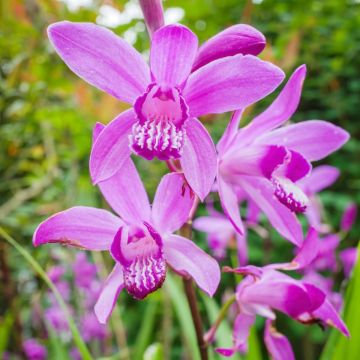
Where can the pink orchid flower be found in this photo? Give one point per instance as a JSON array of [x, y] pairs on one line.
[[320, 178], [266, 162], [349, 217], [181, 84], [348, 259], [141, 240]]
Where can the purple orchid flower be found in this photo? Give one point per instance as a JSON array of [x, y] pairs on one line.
[[349, 217], [266, 289], [181, 84], [34, 350], [266, 163], [348, 258], [141, 241], [220, 233], [84, 271], [320, 178]]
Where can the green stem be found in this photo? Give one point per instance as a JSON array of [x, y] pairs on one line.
[[80, 344], [223, 311]]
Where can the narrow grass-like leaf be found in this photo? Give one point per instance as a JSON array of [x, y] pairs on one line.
[[79, 342]]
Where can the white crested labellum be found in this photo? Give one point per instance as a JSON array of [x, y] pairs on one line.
[[139, 250]]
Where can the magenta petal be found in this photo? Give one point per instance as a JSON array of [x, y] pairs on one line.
[[316, 296], [328, 316], [84, 227], [314, 139], [349, 217], [230, 132], [320, 178], [101, 58], [348, 259], [229, 84], [126, 194], [188, 259], [282, 108], [281, 218], [153, 14], [198, 159], [97, 129], [277, 344], [111, 148], [230, 204], [237, 39], [173, 50], [172, 203], [109, 294]]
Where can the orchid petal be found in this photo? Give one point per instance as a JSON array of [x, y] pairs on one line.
[[84, 227], [173, 50], [230, 83], [188, 259], [349, 217], [237, 39], [212, 224], [230, 132], [111, 148], [314, 139], [126, 194], [109, 294], [172, 203], [153, 14], [101, 58], [320, 178], [198, 159], [277, 344], [313, 214], [230, 204], [281, 218], [282, 108], [97, 129]]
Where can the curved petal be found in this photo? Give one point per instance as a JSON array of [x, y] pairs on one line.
[[172, 203], [320, 178], [229, 84], [277, 344], [111, 148], [213, 224], [84, 227], [230, 204], [101, 58], [109, 294], [237, 39], [282, 108], [314, 139], [126, 194], [281, 218], [349, 216], [173, 50], [153, 14], [188, 259], [198, 159]]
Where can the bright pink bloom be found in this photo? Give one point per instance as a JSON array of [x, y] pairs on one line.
[[167, 97], [348, 258], [266, 163], [349, 217], [34, 350], [84, 271], [141, 241]]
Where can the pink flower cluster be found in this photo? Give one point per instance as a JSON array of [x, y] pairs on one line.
[[267, 164]]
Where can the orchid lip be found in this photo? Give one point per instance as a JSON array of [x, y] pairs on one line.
[[140, 252], [159, 131]]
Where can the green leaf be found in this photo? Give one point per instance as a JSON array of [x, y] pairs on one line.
[[154, 352]]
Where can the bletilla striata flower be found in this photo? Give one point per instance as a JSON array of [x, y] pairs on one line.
[[266, 162], [181, 84], [141, 240]]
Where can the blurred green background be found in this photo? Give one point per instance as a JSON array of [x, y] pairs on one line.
[[47, 115]]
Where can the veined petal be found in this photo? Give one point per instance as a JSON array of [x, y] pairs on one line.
[[230, 204], [84, 227], [109, 294], [97, 129], [172, 203], [320, 178], [153, 14], [126, 194], [198, 159], [277, 344], [314, 139], [188, 259], [281, 218], [230, 83], [111, 148], [282, 108], [101, 58], [237, 39], [173, 50], [230, 132]]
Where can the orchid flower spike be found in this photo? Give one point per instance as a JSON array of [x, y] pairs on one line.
[[181, 84], [141, 240], [266, 163]]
